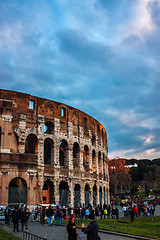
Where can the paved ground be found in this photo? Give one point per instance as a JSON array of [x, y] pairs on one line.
[[60, 233]]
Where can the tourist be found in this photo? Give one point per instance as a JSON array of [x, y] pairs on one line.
[[24, 216], [92, 229], [15, 216], [7, 214], [105, 212], [71, 229], [58, 218], [49, 213]]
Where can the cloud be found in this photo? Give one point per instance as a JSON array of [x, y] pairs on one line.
[[102, 57]]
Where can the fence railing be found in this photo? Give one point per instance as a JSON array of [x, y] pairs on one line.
[[21, 234]]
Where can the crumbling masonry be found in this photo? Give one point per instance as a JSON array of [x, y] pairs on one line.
[[50, 153]]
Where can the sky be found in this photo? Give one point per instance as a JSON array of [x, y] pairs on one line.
[[100, 56]]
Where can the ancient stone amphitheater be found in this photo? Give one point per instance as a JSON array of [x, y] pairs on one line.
[[50, 153]]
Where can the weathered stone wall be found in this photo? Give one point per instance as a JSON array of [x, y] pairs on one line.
[[21, 122]]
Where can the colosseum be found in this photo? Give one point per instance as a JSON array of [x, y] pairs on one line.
[[50, 153]]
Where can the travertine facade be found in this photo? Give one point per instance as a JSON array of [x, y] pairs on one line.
[[50, 153]]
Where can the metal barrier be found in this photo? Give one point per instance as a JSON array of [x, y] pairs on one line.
[[21, 234]]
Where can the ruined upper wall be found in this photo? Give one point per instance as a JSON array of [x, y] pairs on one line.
[[50, 110]]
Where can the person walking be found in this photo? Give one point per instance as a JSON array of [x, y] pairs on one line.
[[92, 229], [58, 213], [24, 216], [49, 213], [15, 216], [7, 214], [71, 229]]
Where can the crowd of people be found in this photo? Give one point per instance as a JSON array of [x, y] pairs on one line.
[[44, 214]]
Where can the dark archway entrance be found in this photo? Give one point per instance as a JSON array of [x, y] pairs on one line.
[[100, 196], [17, 191], [48, 151], [77, 195], [48, 192], [86, 195], [63, 153], [94, 196], [64, 194], [76, 154]]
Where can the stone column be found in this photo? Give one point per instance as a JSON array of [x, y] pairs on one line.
[[97, 194], [71, 189], [70, 157], [96, 156], [56, 192], [82, 193], [81, 158]]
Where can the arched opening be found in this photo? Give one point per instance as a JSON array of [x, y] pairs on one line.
[[48, 151], [104, 166], [17, 191], [94, 167], [49, 128], [64, 194], [104, 195], [93, 141], [48, 192], [100, 196], [86, 158], [94, 196], [86, 195], [76, 154], [77, 195], [63, 153], [99, 162], [31, 145]]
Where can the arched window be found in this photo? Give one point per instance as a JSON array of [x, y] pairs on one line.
[[76, 154], [86, 158], [93, 141], [31, 145], [94, 167], [99, 162], [48, 151], [49, 128], [63, 153]]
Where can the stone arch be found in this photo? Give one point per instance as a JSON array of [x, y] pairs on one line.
[[48, 151], [63, 153], [94, 165], [104, 195], [99, 162], [17, 191], [49, 127], [95, 196], [86, 158], [86, 195], [93, 140], [31, 145], [104, 166], [64, 194], [76, 154], [77, 190], [48, 192], [100, 196]]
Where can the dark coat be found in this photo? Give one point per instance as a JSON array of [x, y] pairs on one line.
[[91, 230], [15, 216], [49, 212], [72, 235], [24, 216]]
